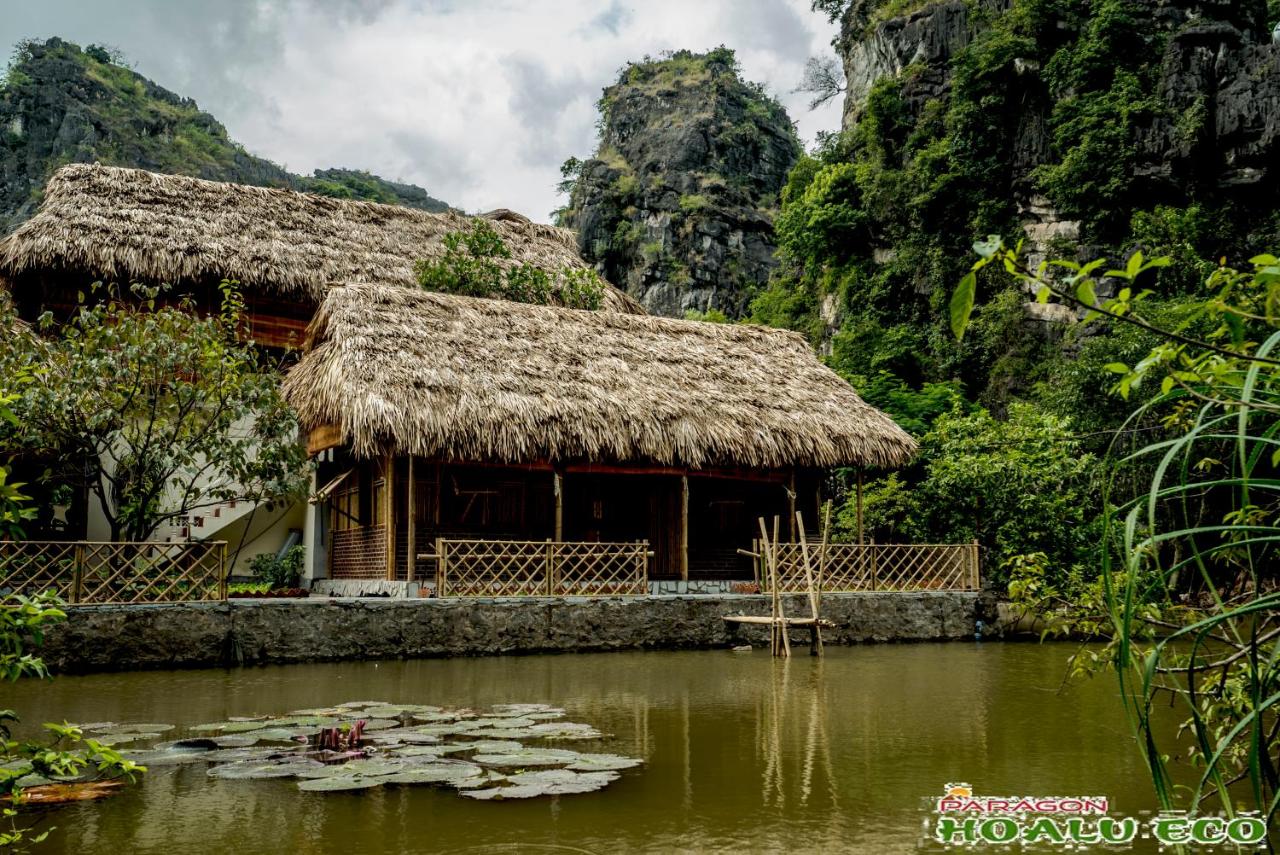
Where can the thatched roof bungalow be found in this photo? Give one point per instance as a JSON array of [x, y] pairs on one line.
[[483, 418], [284, 247]]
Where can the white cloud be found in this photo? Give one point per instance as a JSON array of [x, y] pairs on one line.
[[478, 102]]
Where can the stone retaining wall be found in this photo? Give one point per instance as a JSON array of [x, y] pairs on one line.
[[112, 638]]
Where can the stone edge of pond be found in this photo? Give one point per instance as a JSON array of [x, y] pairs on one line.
[[323, 629]]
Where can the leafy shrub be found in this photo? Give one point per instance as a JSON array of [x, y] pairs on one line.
[[473, 265], [277, 572]]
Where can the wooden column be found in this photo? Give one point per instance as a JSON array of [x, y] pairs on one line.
[[684, 528], [559, 491], [412, 532], [860, 540], [791, 506], [389, 511]]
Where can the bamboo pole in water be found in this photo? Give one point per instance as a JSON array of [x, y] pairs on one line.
[[780, 616], [815, 648]]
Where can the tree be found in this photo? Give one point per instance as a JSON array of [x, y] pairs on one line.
[[823, 78], [156, 410]]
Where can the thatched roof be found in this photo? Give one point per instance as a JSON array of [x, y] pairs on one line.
[[133, 225], [437, 375]]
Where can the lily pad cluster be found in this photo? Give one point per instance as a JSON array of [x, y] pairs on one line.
[[483, 755]]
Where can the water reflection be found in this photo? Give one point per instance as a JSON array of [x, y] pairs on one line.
[[743, 752]]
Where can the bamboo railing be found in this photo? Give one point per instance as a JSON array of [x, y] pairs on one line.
[[91, 573], [852, 567], [524, 568]]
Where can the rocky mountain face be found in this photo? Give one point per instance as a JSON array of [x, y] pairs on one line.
[[62, 104], [676, 206], [1207, 129]]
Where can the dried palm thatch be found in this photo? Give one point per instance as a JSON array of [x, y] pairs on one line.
[[133, 225], [462, 378]]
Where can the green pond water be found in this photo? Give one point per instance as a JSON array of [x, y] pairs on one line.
[[742, 753]]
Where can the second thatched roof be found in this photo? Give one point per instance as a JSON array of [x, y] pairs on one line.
[[394, 369], [132, 225]]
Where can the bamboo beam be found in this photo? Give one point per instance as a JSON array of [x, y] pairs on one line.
[[412, 533], [684, 528], [389, 512], [559, 491]]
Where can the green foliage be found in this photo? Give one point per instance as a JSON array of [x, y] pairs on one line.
[[693, 203], [66, 755], [711, 316], [1194, 549], [22, 624], [249, 588], [279, 572], [156, 411], [14, 504], [1016, 486], [364, 186], [915, 410], [477, 263], [827, 222]]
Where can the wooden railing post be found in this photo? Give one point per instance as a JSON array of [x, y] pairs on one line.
[[440, 567], [223, 571], [872, 547], [77, 573], [550, 570], [975, 555], [643, 558]]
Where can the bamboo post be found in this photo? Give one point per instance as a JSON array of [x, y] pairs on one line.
[[873, 564], [822, 555], [559, 491], [781, 617], [684, 528], [226, 571], [389, 512], [860, 540], [440, 567], [815, 648], [976, 552], [643, 564], [791, 506], [551, 576], [766, 567], [77, 575], [412, 531], [755, 563]]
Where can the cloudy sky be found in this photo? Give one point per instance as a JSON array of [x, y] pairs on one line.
[[479, 101]]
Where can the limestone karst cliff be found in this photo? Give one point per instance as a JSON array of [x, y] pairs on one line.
[[676, 205]]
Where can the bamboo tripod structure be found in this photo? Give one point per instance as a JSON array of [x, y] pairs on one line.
[[778, 622]]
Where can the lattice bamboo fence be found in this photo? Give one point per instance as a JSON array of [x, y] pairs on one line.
[[115, 573], [880, 567], [523, 568]]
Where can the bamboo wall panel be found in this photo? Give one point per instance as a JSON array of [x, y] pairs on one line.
[[88, 573]]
